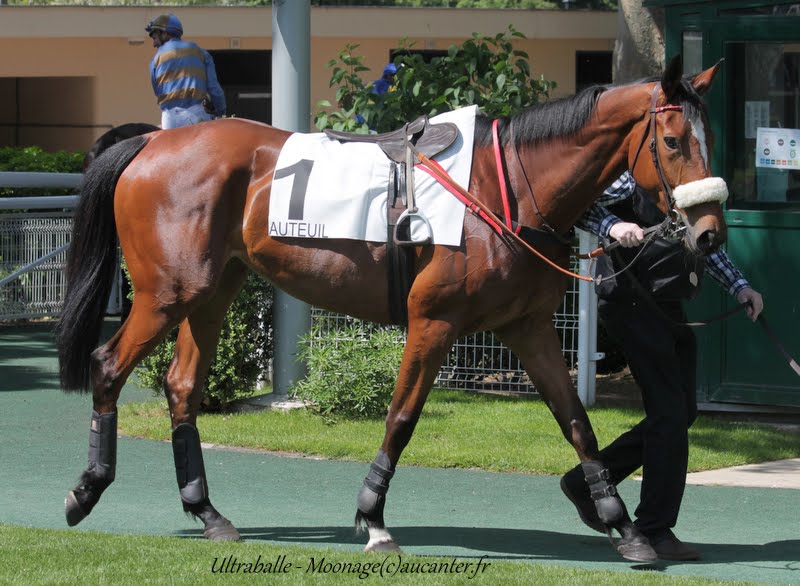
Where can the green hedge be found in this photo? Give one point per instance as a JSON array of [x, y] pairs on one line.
[[34, 159]]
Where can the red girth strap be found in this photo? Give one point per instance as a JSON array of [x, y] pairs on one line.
[[501, 177]]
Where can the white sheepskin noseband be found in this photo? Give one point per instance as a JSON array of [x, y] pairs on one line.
[[700, 191]]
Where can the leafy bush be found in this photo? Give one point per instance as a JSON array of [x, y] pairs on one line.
[[485, 70], [34, 159], [243, 352], [352, 370]]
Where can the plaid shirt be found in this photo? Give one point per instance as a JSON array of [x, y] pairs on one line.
[[598, 220]]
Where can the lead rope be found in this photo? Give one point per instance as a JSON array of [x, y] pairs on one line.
[[437, 172], [762, 321], [652, 233]]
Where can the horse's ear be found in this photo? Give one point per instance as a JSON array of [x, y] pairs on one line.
[[671, 80], [702, 81]]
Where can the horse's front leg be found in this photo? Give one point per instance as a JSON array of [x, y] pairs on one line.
[[536, 344], [427, 344], [183, 387]]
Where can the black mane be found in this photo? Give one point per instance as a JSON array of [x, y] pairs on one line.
[[562, 117], [567, 116]]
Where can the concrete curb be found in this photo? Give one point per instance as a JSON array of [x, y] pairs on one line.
[[778, 474]]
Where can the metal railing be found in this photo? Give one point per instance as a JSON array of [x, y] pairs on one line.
[[34, 236], [480, 362], [32, 284]]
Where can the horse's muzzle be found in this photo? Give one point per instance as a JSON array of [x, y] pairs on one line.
[[709, 242]]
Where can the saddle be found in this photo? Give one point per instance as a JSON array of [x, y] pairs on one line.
[[407, 225], [426, 138]]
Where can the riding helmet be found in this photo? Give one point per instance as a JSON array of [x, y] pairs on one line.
[[168, 23]]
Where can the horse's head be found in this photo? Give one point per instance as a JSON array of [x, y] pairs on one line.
[[679, 168]]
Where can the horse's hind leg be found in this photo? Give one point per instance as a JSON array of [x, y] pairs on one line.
[[537, 345], [111, 364], [427, 344], [183, 386]]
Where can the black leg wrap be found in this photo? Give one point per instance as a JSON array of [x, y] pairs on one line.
[[100, 471], [604, 493], [372, 495], [189, 464], [103, 447]]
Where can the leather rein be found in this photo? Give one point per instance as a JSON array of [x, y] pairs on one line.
[[506, 226]]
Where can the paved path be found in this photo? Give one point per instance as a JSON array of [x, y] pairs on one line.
[[780, 474], [745, 533]]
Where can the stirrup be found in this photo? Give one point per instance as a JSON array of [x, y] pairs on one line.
[[412, 217]]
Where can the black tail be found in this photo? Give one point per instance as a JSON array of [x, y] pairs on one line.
[[91, 261]]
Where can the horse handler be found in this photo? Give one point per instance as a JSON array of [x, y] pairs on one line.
[[642, 308]]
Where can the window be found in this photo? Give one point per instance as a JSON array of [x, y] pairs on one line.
[[765, 123], [592, 68], [773, 9], [246, 79], [427, 54], [692, 52]]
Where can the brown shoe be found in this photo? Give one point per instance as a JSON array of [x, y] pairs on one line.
[[669, 547]]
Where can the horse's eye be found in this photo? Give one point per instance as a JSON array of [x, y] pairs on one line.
[[671, 142]]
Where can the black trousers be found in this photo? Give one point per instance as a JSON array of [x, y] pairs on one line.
[[662, 357]]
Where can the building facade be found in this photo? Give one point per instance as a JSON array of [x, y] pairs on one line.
[[77, 71]]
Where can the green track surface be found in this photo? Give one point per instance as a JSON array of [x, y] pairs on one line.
[[745, 534]]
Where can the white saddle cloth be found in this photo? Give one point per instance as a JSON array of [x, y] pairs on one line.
[[327, 189]]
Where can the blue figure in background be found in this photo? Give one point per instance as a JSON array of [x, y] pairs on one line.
[[382, 85]]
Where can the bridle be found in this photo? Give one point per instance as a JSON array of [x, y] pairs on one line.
[[505, 226], [668, 228], [672, 227], [675, 224]]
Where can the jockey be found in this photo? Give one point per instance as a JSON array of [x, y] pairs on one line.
[[183, 75]]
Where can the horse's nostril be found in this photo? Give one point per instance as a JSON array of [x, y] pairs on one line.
[[708, 241]]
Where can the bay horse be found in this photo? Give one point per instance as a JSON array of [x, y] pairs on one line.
[[190, 209], [113, 136]]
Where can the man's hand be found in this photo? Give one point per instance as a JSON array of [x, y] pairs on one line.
[[753, 299], [627, 233]]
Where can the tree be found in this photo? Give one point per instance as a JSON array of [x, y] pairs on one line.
[[639, 48]]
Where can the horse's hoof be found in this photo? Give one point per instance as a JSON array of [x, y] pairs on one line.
[[636, 549], [73, 510], [223, 532], [383, 547]]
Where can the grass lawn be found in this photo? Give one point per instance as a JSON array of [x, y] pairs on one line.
[[48, 556], [463, 430]]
